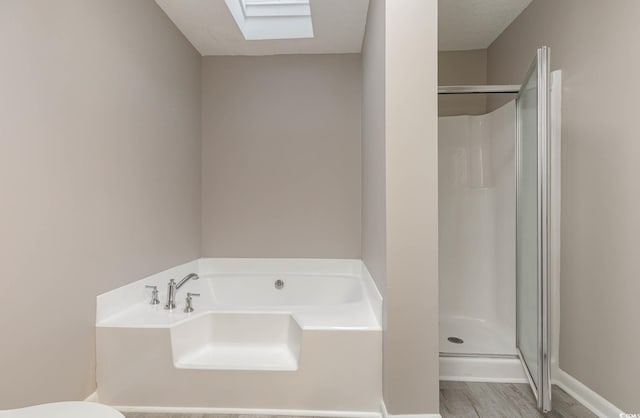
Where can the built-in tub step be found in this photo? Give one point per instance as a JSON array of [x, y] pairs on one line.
[[237, 341]]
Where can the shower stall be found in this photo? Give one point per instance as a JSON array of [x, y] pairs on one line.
[[494, 223]]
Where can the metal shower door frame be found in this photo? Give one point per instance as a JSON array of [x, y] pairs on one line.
[[541, 63], [542, 391]]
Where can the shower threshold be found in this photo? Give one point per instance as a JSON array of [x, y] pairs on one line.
[[478, 355], [502, 368]]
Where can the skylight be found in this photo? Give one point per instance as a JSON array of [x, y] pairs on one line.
[[272, 19]]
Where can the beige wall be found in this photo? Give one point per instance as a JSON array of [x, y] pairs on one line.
[[456, 68], [111, 188], [374, 238], [99, 172], [281, 156], [411, 337], [400, 189], [593, 43]]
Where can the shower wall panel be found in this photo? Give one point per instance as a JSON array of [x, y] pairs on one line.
[[477, 232]]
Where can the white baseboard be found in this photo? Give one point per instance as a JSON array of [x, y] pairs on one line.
[[385, 414], [92, 398], [580, 392], [587, 397], [245, 411]]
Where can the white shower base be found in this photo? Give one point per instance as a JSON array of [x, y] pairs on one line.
[[488, 353], [481, 337]]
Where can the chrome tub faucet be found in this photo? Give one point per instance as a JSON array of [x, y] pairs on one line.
[[173, 288]]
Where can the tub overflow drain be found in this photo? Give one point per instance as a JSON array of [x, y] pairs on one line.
[[279, 284], [455, 340]]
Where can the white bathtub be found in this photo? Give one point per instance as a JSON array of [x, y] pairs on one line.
[[313, 344]]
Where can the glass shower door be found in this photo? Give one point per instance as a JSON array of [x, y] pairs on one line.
[[532, 167]]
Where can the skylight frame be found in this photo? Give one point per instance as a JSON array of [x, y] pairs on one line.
[[272, 19], [279, 8]]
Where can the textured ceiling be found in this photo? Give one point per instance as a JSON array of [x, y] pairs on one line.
[[474, 24], [338, 26]]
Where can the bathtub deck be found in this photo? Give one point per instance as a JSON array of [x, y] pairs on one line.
[[230, 357], [355, 316]]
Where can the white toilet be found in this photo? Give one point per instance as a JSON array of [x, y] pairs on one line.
[[63, 410]]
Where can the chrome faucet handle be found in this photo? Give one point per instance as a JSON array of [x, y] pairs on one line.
[[154, 295], [189, 306]]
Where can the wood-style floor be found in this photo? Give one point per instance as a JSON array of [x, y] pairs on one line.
[[503, 400], [467, 400]]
